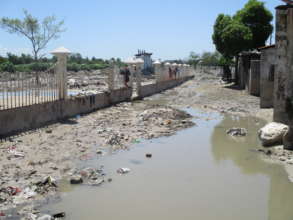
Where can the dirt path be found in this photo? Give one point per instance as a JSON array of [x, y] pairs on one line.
[[32, 161]]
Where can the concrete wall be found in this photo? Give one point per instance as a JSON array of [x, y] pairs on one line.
[[16, 120], [283, 89], [150, 89], [34, 116], [244, 68], [254, 78], [267, 63]]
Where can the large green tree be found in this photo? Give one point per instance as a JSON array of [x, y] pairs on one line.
[[230, 38], [37, 32], [248, 29], [258, 19]]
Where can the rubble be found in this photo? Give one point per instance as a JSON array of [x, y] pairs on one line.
[[237, 132], [123, 170], [272, 133]]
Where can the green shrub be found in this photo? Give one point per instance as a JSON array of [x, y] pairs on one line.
[[23, 68], [85, 67], [7, 67], [73, 67], [39, 66], [98, 66]]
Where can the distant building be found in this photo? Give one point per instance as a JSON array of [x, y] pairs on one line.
[[146, 58]]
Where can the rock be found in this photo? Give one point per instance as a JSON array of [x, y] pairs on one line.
[[49, 131], [148, 155], [269, 152], [283, 158], [237, 132], [59, 215], [76, 180], [272, 133]]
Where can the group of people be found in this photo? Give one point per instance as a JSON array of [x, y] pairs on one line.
[[173, 72]]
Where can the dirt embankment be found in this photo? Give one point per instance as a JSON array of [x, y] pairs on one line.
[[29, 163]]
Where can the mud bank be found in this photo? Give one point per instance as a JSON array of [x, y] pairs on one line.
[[54, 151]]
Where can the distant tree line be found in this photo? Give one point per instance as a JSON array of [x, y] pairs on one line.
[[206, 59], [27, 63]]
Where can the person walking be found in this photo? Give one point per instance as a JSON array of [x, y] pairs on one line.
[[126, 73]]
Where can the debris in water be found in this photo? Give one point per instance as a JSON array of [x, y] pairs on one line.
[[148, 155], [59, 215], [76, 180], [123, 170], [237, 132]]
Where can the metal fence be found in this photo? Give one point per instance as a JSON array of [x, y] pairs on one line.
[[27, 88]]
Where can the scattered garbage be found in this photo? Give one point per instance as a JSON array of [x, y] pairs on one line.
[[148, 155], [13, 152], [45, 217], [77, 116], [123, 170], [59, 215], [136, 141], [76, 180], [28, 193], [101, 152], [237, 132]]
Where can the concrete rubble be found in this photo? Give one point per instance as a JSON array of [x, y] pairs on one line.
[[272, 133]]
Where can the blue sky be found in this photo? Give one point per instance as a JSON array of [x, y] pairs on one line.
[[171, 29]]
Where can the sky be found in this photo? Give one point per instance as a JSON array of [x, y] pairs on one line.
[[170, 29]]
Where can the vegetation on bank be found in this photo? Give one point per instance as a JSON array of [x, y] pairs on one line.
[[26, 63]]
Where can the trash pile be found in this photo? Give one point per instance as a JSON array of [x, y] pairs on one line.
[[32, 216], [161, 113], [162, 116], [89, 176], [237, 132], [16, 195]]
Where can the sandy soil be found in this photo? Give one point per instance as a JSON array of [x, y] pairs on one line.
[[30, 160]]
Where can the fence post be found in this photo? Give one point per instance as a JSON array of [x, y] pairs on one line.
[[111, 77], [139, 67], [158, 70], [61, 70]]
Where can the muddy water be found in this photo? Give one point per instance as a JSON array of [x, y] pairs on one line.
[[200, 173]]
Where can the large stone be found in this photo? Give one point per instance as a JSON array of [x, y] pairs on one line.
[[76, 179], [272, 133]]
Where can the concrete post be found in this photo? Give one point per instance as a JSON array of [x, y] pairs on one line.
[[283, 85], [111, 77], [158, 71], [165, 72], [139, 67], [254, 78], [61, 70]]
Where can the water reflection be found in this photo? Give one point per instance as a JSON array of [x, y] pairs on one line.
[[225, 148]]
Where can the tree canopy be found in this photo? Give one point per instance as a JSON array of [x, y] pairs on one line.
[[258, 19], [38, 33], [248, 29]]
